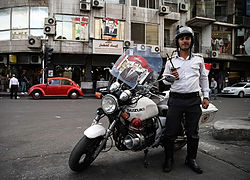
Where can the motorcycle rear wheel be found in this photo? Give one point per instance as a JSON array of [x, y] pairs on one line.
[[82, 155]]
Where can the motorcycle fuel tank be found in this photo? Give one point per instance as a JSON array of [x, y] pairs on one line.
[[144, 108]]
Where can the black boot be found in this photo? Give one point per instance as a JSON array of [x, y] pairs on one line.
[[169, 153], [192, 147]]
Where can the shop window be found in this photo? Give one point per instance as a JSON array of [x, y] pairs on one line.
[[72, 27], [144, 33], [109, 29], [221, 39]]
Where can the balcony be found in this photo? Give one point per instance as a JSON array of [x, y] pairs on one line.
[[200, 21]]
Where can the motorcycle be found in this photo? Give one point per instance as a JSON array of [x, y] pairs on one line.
[[135, 109]]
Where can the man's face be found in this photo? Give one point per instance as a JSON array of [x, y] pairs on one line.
[[111, 24], [184, 43]]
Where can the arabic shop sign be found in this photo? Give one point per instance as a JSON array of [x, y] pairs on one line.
[[107, 47]]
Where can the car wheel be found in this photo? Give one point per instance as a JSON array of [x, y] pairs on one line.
[[36, 94], [241, 94], [73, 95]]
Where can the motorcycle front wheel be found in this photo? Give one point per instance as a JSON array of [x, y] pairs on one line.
[[82, 155]]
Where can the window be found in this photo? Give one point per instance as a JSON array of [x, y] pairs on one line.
[[72, 27], [20, 22], [54, 82], [144, 33], [109, 29], [66, 82], [145, 3], [116, 1], [166, 37], [5, 19], [221, 39]]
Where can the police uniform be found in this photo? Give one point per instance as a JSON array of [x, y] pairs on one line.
[[184, 99]]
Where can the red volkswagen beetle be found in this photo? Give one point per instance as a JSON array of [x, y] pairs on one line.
[[57, 86]]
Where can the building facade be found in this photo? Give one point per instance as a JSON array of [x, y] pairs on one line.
[[88, 35]]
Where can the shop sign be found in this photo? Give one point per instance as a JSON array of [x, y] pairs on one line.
[[248, 7], [107, 47], [12, 58]]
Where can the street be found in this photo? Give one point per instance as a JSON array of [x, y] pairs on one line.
[[36, 138]]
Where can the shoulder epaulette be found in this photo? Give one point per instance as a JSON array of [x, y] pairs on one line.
[[197, 54]]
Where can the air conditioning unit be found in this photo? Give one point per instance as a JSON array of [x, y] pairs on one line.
[[98, 3], [3, 59], [85, 6], [141, 47], [50, 21], [214, 54], [49, 30], [163, 10], [183, 7], [35, 59], [128, 44], [34, 42], [155, 49]]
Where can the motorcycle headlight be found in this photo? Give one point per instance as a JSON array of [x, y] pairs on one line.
[[109, 104], [114, 87], [125, 95]]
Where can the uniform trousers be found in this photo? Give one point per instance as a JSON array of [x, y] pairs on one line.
[[13, 89]]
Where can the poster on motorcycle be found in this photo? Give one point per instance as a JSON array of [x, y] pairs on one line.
[[135, 66]]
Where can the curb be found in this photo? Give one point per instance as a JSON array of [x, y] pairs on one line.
[[232, 130]]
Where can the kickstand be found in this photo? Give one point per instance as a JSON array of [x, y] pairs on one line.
[[146, 163]]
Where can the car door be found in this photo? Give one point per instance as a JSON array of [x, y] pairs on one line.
[[53, 87], [66, 85], [247, 89]]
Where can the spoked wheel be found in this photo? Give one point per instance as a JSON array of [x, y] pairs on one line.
[[82, 155]]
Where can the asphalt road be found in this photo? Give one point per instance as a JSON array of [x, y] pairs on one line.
[[36, 138]]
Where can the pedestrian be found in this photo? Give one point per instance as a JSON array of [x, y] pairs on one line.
[[13, 85], [213, 89], [184, 99], [24, 82]]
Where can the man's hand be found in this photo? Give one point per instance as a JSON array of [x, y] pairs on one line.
[[205, 103], [175, 73]]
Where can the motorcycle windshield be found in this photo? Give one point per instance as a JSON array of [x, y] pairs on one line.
[[137, 66]]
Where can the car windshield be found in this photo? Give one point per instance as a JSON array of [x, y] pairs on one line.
[[239, 85]]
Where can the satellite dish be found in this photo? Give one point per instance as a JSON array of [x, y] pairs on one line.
[[247, 46]]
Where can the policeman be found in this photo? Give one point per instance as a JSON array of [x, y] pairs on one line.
[[184, 98]]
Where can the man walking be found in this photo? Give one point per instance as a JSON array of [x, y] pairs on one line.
[[13, 85], [213, 88], [184, 99]]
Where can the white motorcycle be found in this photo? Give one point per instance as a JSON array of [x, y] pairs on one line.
[[135, 109]]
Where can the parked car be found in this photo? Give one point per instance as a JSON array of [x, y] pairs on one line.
[[240, 89], [57, 86]]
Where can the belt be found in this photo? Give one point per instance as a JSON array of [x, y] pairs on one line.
[[184, 95]]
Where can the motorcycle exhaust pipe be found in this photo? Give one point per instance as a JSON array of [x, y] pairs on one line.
[[132, 142]]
